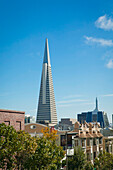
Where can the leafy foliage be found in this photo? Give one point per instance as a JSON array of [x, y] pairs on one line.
[[18, 150], [50, 134], [26, 147], [8, 146], [104, 161], [47, 155], [88, 166], [79, 161]]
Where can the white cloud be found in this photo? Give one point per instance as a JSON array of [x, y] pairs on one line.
[[72, 101], [65, 105], [71, 96], [100, 41], [110, 64], [107, 95], [68, 105], [104, 22], [86, 104]]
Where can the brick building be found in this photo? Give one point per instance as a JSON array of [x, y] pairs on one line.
[[13, 118]]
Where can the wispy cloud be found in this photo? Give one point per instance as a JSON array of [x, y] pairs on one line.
[[86, 103], [104, 22], [108, 57], [71, 96], [71, 101], [99, 41], [110, 64], [68, 105], [107, 95], [65, 105]]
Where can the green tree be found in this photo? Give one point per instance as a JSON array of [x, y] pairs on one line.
[[18, 150], [8, 146], [104, 161], [15, 147], [79, 161], [26, 147], [88, 166], [47, 155]]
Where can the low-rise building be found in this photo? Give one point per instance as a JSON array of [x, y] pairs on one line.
[[89, 138], [34, 128], [108, 144], [13, 118], [65, 124], [107, 139]]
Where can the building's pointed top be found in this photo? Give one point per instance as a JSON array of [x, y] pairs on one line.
[[96, 104], [46, 54]]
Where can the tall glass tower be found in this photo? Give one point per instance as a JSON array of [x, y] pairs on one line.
[[46, 105]]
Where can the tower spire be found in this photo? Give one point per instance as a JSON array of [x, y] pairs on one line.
[[46, 54], [96, 104], [46, 105]]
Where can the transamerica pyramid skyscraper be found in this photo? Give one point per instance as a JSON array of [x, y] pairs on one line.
[[46, 104]]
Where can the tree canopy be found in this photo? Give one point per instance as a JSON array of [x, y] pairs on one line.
[[78, 161], [104, 161], [20, 150]]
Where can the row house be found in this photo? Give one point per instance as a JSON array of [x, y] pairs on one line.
[[108, 144], [88, 136]]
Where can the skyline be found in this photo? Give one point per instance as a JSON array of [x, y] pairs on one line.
[[80, 39]]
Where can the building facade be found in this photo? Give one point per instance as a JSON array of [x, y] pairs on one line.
[[88, 136], [30, 119], [46, 106], [94, 116], [34, 128], [13, 118], [112, 121], [66, 124]]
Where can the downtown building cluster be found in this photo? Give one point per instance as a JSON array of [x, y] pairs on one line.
[[90, 131]]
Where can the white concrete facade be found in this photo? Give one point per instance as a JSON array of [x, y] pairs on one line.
[[46, 105]]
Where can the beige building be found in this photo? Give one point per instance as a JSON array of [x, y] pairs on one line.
[[34, 128], [89, 138], [108, 144]]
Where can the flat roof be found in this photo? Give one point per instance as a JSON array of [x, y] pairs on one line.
[[12, 111]]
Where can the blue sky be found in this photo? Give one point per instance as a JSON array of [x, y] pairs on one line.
[[80, 35]]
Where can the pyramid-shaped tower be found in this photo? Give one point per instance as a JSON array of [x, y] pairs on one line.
[[46, 104]]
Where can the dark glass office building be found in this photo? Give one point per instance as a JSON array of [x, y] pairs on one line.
[[94, 116]]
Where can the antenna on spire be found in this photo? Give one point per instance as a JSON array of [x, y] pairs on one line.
[[46, 53], [96, 103]]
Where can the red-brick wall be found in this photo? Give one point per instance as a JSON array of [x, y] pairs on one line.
[[13, 118]]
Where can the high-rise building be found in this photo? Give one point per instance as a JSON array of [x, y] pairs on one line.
[[46, 106], [94, 116], [30, 119], [112, 121]]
